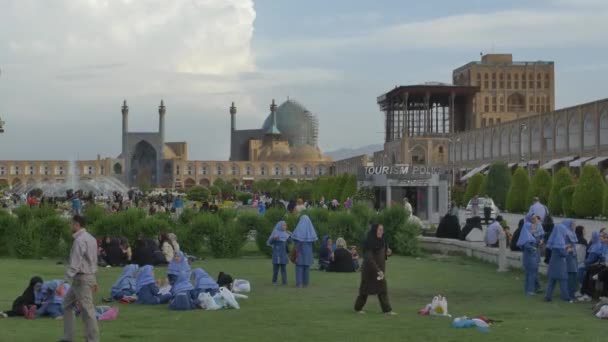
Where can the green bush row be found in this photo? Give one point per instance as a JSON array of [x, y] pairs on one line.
[[41, 232]]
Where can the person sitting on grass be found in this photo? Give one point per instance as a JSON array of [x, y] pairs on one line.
[[325, 253], [595, 263], [204, 283], [53, 293], [146, 288], [178, 264], [182, 293], [342, 260], [29, 301], [125, 285]]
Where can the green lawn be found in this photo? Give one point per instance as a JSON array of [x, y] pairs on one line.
[[324, 311]]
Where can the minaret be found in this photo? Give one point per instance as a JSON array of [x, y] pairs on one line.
[[125, 125], [161, 120], [232, 117], [273, 130]]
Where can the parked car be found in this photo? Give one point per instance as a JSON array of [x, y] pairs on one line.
[[482, 203]]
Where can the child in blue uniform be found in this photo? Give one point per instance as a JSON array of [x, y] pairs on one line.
[[125, 285], [53, 293], [557, 271], [278, 240], [178, 264], [529, 246], [146, 288], [203, 283], [304, 236], [182, 293]]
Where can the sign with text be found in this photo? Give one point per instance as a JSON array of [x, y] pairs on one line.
[[403, 170]]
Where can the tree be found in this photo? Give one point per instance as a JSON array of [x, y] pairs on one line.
[[473, 187], [215, 190], [588, 197], [566, 200], [518, 193], [198, 194], [540, 186], [483, 188], [561, 179], [350, 187], [287, 189], [498, 184], [606, 200]]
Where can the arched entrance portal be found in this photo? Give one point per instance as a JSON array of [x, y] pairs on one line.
[[143, 165]]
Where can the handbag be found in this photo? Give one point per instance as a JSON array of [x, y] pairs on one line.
[[293, 256]]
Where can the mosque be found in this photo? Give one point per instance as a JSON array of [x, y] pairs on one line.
[[285, 147]]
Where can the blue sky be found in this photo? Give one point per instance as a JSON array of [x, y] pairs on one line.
[[63, 81]]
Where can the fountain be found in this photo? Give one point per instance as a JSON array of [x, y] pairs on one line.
[[100, 185]]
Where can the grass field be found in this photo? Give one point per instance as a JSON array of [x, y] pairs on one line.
[[324, 311]]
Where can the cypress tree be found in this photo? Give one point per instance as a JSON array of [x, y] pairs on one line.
[[561, 179], [518, 193], [588, 197]]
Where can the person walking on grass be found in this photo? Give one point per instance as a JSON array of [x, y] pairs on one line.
[[81, 272], [373, 281]]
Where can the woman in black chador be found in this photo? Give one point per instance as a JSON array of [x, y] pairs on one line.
[[373, 282]]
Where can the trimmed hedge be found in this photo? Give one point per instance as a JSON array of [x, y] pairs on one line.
[[483, 188], [540, 186], [517, 198], [588, 197], [562, 179], [566, 199], [498, 184], [605, 200], [400, 234], [473, 186]]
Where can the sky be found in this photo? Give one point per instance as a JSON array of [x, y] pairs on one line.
[[67, 65]]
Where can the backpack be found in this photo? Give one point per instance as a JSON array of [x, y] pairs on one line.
[[548, 220]]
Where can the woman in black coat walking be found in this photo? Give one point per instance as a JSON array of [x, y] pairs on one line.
[[373, 281]]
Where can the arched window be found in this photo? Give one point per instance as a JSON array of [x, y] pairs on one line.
[[263, 170], [495, 143], [589, 131], [515, 140], [190, 169], [306, 170], [277, 170], [504, 142], [2, 170], [547, 128], [604, 128], [30, 170], [91, 170], [574, 133], [536, 137], [220, 170], [235, 169], [321, 170], [248, 169], [491, 122], [516, 102], [102, 170], [204, 170], [560, 134], [292, 170]]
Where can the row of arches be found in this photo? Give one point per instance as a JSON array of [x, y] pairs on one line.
[[191, 169], [568, 132]]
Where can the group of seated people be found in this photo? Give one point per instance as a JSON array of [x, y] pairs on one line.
[[117, 251], [40, 299], [338, 257]]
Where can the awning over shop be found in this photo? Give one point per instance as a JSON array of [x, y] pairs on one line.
[[533, 162], [550, 164], [473, 172], [597, 160], [511, 165], [522, 164], [579, 162]]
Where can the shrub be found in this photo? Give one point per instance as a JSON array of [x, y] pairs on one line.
[[364, 214], [152, 226], [566, 199], [198, 194], [25, 241], [473, 187], [262, 227], [243, 197], [498, 184], [227, 241], [605, 201], [275, 214], [588, 196], [8, 223], [561, 179], [121, 224], [215, 190], [345, 225], [458, 194], [349, 189], [540, 187], [401, 235], [227, 214], [364, 194], [287, 189], [518, 193], [93, 213], [320, 219], [185, 218], [54, 235]]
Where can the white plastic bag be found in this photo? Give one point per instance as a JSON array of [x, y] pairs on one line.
[[241, 285], [206, 302], [164, 290], [240, 296], [439, 306], [603, 313], [229, 298]]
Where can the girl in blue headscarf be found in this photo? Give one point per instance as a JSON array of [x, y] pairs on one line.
[[597, 255], [557, 271], [571, 261], [529, 246], [125, 285], [278, 240], [325, 253], [178, 264], [53, 293], [146, 288], [539, 235], [203, 283], [182, 293], [304, 236]]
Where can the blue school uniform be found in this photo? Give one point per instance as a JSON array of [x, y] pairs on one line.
[[146, 288], [529, 246], [125, 285], [176, 267], [278, 240], [557, 270], [203, 283], [304, 236], [52, 302], [182, 293]]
